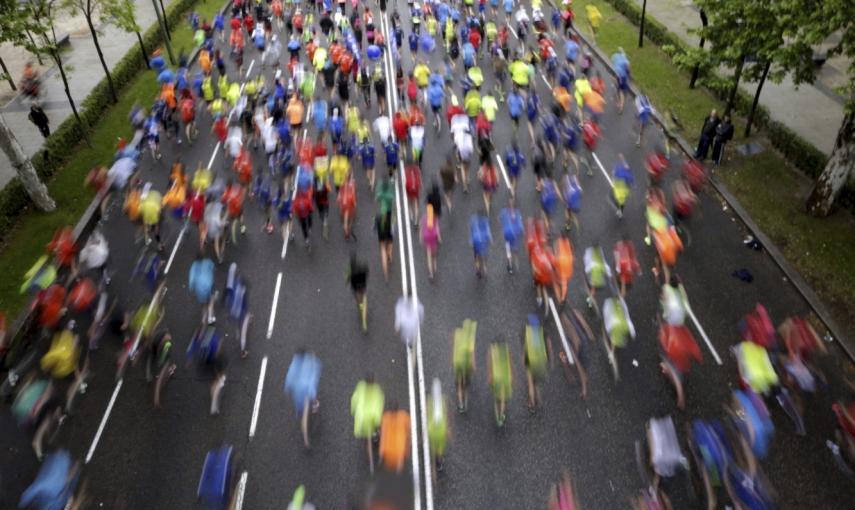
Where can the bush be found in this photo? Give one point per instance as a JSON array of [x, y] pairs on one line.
[[63, 141]]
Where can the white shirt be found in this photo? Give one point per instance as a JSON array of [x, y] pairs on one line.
[[234, 141], [417, 135], [409, 314], [464, 145], [383, 127]]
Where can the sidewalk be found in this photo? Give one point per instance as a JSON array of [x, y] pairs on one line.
[[814, 112], [87, 72]]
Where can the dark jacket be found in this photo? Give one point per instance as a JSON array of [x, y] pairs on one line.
[[724, 132], [37, 116], [710, 125]]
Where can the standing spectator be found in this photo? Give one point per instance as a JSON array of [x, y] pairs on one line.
[[723, 134], [39, 118], [707, 134]]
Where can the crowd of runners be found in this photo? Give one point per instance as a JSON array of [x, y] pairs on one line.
[[379, 85]]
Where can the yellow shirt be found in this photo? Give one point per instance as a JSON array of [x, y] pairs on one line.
[[421, 73], [339, 167]]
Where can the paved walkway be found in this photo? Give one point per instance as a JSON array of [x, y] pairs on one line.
[[87, 73], [814, 112]]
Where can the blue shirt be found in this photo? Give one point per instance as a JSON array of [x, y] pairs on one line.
[[366, 151], [201, 280], [391, 149], [515, 161], [571, 49], [479, 232], [319, 114], [512, 225], [435, 95], [623, 172], [515, 105], [301, 381], [531, 104]]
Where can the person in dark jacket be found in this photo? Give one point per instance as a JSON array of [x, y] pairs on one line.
[[707, 135], [723, 134], [40, 119]]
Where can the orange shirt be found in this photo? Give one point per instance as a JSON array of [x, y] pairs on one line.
[[564, 262], [395, 439], [295, 112]]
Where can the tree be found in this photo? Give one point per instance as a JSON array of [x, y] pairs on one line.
[[24, 167], [739, 32], [14, 30], [122, 13], [91, 9], [43, 13], [826, 18]]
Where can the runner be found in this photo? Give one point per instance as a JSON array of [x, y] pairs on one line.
[[301, 383], [464, 360], [366, 407], [395, 438], [537, 352], [431, 237], [357, 276], [437, 427], [500, 379], [480, 239]]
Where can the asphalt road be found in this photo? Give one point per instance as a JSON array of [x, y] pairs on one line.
[[146, 458]]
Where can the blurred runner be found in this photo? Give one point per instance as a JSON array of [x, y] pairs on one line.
[[301, 383]]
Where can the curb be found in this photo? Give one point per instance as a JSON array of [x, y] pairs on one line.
[[24, 323], [795, 278]]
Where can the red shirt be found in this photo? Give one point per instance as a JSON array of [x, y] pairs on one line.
[[196, 207], [475, 38], [188, 110], [220, 129], [401, 126], [414, 180], [235, 23], [233, 198]]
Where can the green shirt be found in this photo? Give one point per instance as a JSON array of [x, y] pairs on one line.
[[366, 406]]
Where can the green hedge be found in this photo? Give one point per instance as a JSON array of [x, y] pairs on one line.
[[63, 142], [798, 151]]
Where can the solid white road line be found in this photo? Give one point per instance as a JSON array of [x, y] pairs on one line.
[[240, 491], [512, 29], [103, 422], [175, 248], [561, 334], [400, 196], [703, 333], [602, 169], [504, 173], [257, 406], [274, 305]]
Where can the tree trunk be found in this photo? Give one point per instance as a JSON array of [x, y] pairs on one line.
[[641, 25], [697, 70], [737, 75], [24, 168], [164, 31], [836, 172], [165, 22], [757, 98], [88, 15], [8, 76], [58, 61], [144, 52], [33, 41]]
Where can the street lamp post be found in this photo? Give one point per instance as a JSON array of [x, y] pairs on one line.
[[697, 70], [163, 28]]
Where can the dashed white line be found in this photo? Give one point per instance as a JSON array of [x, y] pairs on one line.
[[564, 343], [275, 304], [175, 248], [703, 333], [257, 406], [504, 173], [103, 422], [602, 169], [240, 491]]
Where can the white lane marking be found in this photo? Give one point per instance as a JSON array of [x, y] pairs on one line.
[[702, 332], [400, 197], [214, 155], [602, 169], [543, 77], [240, 491], [504, 173], [249, 69], [175, 248], [273, 307], [138, 336], [103, 422], [512, 29], [257, 406], [564, 343]]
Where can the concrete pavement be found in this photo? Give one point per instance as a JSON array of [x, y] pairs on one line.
[[152, 459], [814, 112], [86, 74]]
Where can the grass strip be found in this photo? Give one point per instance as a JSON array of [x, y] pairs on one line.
[[35, 228]]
